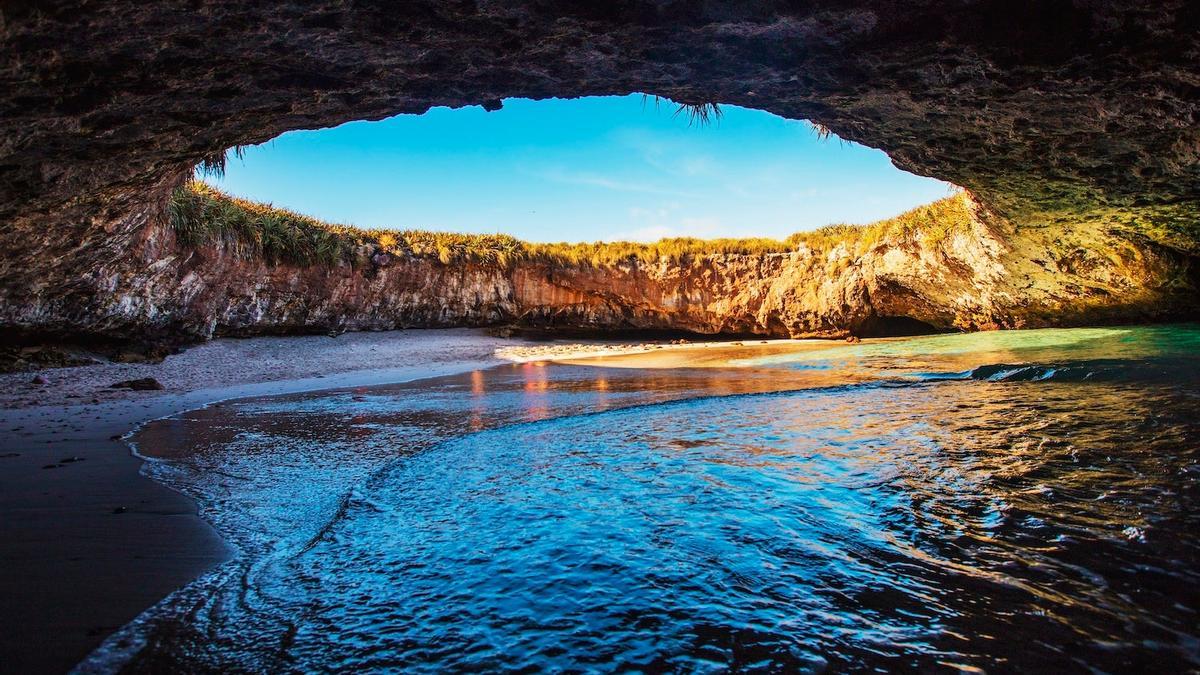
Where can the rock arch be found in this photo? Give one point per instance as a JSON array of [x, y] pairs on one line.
[[1047, 111]]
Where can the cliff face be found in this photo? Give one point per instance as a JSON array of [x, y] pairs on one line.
[[988, 275]]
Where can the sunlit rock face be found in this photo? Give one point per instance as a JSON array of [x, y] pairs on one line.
[[1073, 115], [989, 275]]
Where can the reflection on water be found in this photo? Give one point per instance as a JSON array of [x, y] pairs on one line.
[[911, 504]]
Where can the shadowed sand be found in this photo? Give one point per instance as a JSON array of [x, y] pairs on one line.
[[89, 543]]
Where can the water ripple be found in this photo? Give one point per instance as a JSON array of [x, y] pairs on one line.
[[600, 521]]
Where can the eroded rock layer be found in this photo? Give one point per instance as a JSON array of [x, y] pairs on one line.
[[986, 275]]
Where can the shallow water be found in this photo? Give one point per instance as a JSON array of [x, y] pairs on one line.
[[1005, 501]]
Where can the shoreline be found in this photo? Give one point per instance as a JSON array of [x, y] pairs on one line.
[[652, 355], [87, 541], [574, 352]]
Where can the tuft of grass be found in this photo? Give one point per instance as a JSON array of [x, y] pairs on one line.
[[700, 114], [214, 163], [822, 132], [200, 214]]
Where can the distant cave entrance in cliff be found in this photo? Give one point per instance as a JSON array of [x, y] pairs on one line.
[[619, 168], [895, 326]]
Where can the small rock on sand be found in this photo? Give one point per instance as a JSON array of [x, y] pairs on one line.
[[142, 384]]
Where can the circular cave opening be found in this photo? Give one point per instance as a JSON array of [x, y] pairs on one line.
[[636, 168], [618, 214]]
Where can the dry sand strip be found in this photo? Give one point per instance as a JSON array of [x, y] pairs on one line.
[[715, 354], [86, 542]]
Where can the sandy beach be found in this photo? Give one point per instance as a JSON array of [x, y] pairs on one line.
[[120, 541], [87, 543], [673, 354]]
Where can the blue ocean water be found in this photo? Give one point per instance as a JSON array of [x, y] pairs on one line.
[[998, 501]]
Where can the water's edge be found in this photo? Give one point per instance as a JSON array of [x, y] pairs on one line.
[[125, 644], [119, 646]]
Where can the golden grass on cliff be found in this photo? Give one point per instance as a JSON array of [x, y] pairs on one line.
[[931, 223], [201, 214]]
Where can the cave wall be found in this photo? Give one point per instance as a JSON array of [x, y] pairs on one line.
[[1030, 104], [1056, 113]]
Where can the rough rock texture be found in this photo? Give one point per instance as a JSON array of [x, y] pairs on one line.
[[989, 275], [1057, 112], [1023, 102]]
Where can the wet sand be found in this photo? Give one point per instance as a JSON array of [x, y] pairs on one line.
[[89, 544]]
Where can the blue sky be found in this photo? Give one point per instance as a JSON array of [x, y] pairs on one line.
[[602, 168]]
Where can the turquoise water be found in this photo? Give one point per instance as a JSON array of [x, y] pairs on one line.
[[1004, 501], [949, 356]]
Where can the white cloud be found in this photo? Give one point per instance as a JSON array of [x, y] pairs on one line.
[[662, 223], [644, 234], [608, 183]]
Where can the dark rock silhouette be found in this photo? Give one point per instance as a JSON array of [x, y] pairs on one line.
[[1061, 116]]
